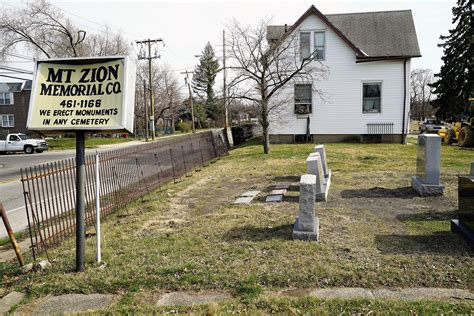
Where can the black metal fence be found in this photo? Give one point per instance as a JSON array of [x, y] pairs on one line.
[[380, 133], [125, 174]]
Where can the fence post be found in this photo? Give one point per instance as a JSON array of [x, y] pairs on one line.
[[9, 229], [172, 164], [184, 160], [25, 192]]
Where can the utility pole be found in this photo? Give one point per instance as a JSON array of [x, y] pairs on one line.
[[228, 132], [143, 55], [224, 69], [186, 80], [146, 111]]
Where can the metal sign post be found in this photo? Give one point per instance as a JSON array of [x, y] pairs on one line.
[[88, 94], [80, 200]]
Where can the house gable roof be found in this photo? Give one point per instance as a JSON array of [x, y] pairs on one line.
[[385, 34]]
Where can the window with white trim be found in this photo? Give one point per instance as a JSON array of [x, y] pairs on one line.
[[303, 98], [313, 42], [6, 98], [8, 120], [305, 45], [371, 97], [319, 45]]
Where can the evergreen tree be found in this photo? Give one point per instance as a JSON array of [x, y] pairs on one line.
[[204, 78], [454, 82]]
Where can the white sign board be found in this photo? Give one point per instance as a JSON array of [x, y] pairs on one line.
[[89, 94]]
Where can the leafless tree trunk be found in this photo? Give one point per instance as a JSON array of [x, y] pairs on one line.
[[261, 70]]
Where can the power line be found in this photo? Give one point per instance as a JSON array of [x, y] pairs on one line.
[[20, 56], [96, 23], [17, 70], [13, 77]]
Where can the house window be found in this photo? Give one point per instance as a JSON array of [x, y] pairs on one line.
[[319, 43], [303, 98], [372, 97], [6, 98], [8, 120], [305, 45]]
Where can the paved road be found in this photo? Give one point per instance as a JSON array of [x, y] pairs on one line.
[[11, 192]]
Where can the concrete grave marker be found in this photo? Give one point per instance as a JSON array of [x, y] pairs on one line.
[[321, 150], [278, 192], [246, 197], [274, 198], [307, 223], [250, 193], [315, 167], [428, 160], [284, 186]]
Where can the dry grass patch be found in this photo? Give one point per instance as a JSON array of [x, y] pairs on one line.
[[375, 232]]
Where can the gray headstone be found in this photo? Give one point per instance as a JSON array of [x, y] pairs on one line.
[[244, 200], [466, 201], [322, 152], [285, 186], [315, 167], [274, 198], [428, 161], [250, 193], [307, 224], [472, 169], [278, 192]]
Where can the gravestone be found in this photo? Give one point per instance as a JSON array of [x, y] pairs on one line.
[[321, 150], [464, 225], [314, 166], [428, 161], [307, 223]]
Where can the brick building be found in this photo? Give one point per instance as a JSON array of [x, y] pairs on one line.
[[14, 102]]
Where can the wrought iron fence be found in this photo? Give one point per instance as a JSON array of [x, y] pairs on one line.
[[125, 174], [380, 132]]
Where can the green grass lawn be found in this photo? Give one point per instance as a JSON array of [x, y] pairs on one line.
[[70, 143], [375, 233]]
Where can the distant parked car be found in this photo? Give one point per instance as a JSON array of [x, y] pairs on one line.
[[431, 126], [22, 142]]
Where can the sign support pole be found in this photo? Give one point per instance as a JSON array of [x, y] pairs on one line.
[[80, 200]]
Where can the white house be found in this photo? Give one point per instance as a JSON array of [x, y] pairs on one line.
[[366, 88]]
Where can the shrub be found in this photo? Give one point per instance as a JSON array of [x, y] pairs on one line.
[[184, 126]]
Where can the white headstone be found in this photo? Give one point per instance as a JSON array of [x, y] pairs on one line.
[[322, 152], [428, 161], [307, 224], [314, 166]]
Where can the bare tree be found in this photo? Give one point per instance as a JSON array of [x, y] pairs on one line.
[[261, 71], [43, 28], [421, 92], [168, 97], [168, 100]]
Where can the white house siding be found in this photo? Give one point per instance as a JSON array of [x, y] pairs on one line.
[[340, 112]]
